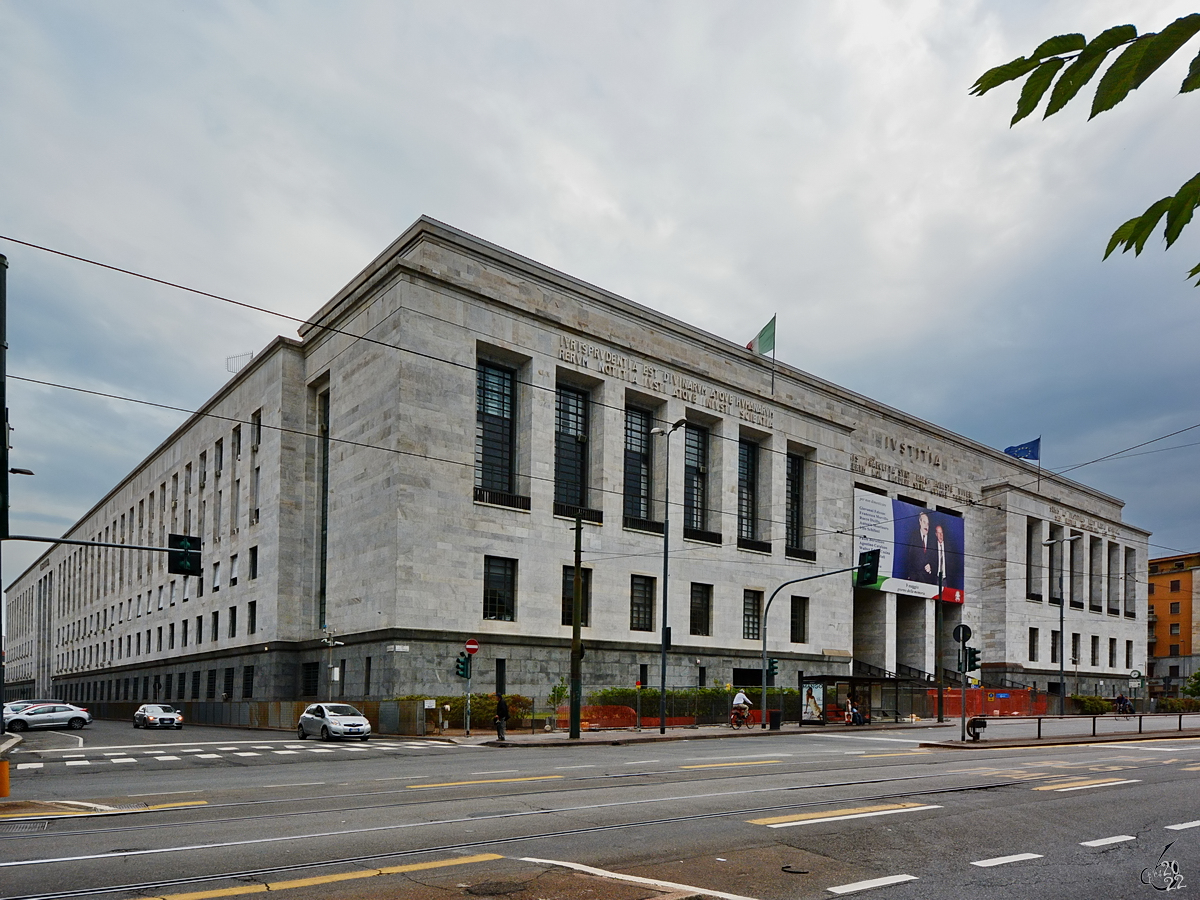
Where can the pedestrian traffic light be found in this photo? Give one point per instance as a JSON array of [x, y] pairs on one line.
[[462, 666], [772, 666], [972, 660], [868, 568], [183, 554]]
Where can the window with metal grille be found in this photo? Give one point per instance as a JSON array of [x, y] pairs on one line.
[[637, 463], [641, 603], [798, 529], [701, 614], [499, 588], [211, 692], [227, 693], [495, 431], [195, 685], [570, 446], [799, 620], [568, 596], [310, 673], [751, 614], [695, 477], [748, 490], [247, 682]]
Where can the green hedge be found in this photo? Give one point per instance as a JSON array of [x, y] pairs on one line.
[[483, 708], [1178, 705]]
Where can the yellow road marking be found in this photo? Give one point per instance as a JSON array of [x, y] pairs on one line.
[[328, 879], [881, 755], [1191, 768], [485, 781], [825, 814], [757, 762], [99, 812], [1059, 785]]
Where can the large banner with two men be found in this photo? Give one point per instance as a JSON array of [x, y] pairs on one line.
[[917, 546]]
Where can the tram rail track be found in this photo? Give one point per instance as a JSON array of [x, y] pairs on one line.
[[141, 888]]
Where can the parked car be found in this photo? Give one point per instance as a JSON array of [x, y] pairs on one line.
[[48, 715], [157, 715], [13, 706], [330, 720]]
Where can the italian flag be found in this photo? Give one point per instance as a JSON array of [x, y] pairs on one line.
[[764, 341]]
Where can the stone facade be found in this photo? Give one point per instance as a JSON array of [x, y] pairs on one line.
[[351, 501]]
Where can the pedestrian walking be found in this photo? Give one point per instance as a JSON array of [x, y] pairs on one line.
[[501, 717]]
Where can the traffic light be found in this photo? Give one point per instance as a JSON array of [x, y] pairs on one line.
[[868, 568], [183, 554], [462, 666], [772, 666], [972, 660]]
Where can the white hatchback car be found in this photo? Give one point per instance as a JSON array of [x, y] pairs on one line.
[[48, 715], [331, 720]]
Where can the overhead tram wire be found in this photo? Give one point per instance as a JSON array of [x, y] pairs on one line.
[[691, 551], [358, 337]]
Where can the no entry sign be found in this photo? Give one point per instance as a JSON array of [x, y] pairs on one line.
[[472, 646]]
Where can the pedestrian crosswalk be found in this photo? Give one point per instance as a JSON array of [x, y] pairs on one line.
[[227, 753]]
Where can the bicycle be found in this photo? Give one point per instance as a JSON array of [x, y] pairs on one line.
[[738, 718]]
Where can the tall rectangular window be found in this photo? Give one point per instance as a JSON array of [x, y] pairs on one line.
[[797, 534], [1055, 648], [641, 603], [1075, 658], [367, 678], [1129, 654], [215, 633], [799, 620], [495, 428], [210, 692], [1033, 645], [256, 428], [247, 682], [252, 617], [570, 446], [233, 621], [183, 633], [637, 463], [701, 612], [1112, 653], [751, 614], [255, 486], [233, 570], [695, 477], [499, 588], [1033, 559], [568, 596], [227, 688], [218, 458], [1095, 648], [196, 685], [748, 490], [216, 579]]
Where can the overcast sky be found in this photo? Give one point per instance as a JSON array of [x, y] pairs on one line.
[[719, 162]]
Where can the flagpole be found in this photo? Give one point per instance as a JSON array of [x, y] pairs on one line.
[[1039, 487], [772, 371]]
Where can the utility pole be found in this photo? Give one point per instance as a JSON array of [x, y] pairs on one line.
[[3, 446], [576, 639]]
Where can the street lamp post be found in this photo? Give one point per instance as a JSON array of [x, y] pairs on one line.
[[666, 632], [1062, 629]]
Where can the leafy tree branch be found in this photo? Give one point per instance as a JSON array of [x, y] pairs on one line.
[[1075, 61]]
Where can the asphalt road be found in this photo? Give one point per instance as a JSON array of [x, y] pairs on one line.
[[792, 815]]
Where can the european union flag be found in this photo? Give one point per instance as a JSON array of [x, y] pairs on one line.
[[1031, 450]]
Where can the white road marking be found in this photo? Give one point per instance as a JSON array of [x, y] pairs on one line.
[[79, 762], [226, 748], [497, 772], [1005, 860], [635, 879], [170, 758], [721, 757], [73, 755], [286, 752], [642, 762], [294, 784], [855, 737], [207, 756], [247, 753], [124, 759], [1104, 842], [575, 767], [116, 753], [1179, 827], [873, 883], [319, 750], [165, 793], [1088, 787], [30, 765], [863, 815]]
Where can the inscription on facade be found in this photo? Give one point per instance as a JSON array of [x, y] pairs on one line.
[[886, 471], [660, 380], [908, 450]]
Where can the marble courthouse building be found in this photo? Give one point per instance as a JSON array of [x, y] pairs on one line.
[[407, 474]]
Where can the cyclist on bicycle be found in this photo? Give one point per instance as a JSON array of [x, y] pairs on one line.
[[1124, 707], [741, 705]]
